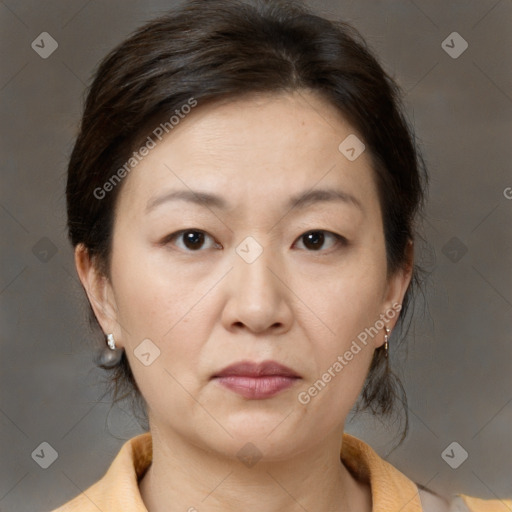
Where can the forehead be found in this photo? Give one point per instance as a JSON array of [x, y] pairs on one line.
[[253, 150]]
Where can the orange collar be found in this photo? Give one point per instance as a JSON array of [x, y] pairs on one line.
[[118, 490]]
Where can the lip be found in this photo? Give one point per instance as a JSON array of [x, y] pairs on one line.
[[252, 369], [257, 381]]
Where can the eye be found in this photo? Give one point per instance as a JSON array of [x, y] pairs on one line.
[[193, 239], [314, 239]]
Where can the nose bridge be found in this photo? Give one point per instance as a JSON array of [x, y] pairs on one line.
[[252, 271], [257, 296]]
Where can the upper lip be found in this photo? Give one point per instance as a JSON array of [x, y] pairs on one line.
[[252, 369]]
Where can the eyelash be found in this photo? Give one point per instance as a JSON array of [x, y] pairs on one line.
[[339, 240]]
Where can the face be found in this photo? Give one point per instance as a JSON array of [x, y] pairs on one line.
[[250, 277]]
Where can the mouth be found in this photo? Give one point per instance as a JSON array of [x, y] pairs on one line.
[[256, 381], [251, 369]]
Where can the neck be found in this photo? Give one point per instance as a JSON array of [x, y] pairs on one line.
[[185, 477]]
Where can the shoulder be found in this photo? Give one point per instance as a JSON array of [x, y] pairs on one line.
[[118, 489], [392, 490], [465, 503], [433, 502]]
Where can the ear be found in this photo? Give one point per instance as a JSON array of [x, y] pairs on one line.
[[397, 286], [99, 291]]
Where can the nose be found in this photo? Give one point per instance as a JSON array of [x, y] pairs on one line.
[[258, 297]]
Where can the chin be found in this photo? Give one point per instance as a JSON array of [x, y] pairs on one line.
[[263, 432]]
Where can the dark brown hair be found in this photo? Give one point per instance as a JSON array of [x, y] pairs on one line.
[[224, 49]]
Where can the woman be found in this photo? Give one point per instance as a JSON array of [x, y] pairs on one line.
[[242, 199]]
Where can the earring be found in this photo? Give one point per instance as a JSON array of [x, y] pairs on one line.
[[111, 356], [386, 337], [111, 342]]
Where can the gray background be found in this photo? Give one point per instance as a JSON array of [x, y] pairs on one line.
[[458, 368]]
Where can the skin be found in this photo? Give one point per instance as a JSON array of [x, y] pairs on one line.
[[206, 308]]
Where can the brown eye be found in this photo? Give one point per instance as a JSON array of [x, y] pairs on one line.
[[314, 240], [192, 240]]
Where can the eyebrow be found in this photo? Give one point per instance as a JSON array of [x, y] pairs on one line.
[[301, 200]]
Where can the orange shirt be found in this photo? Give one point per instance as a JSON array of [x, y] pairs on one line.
[[392, 491]]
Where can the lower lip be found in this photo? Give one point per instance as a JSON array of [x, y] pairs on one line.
[[257, 388]]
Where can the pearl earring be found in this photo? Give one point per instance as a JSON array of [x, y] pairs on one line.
[[111, 356], [111, 342]]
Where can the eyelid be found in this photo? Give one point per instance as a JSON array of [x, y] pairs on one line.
[[339, 239], [176, 234]]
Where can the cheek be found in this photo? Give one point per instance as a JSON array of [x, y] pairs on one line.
[[151, 295], [342, 352], [343, 332], [347, 299], [156, 301], [155, 304]]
